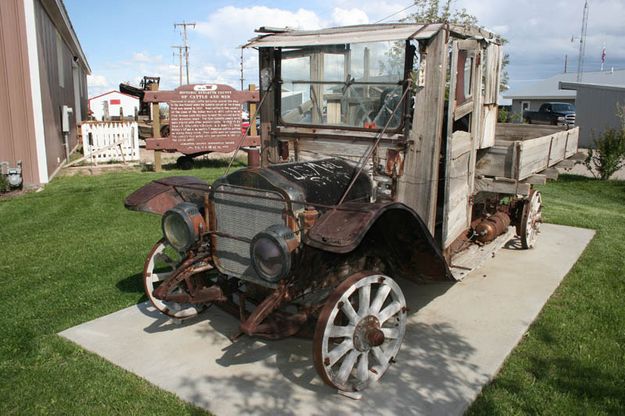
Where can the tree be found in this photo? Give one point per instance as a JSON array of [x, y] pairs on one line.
[[437, 11]]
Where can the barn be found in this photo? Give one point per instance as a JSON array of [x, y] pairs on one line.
[[43, 83], [109, 105]]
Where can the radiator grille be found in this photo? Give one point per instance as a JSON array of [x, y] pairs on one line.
[[570, 118], [243, 215]]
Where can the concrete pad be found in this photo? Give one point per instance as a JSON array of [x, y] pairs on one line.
[[457, 338]]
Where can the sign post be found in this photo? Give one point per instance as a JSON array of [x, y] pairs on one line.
[[156, 128]]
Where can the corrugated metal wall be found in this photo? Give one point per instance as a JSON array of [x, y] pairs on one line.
[[17, 134], [57, 86], [596, 111]]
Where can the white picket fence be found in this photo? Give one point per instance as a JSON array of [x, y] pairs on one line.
[[110, 141]]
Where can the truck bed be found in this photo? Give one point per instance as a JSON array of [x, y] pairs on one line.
[[522, 150]]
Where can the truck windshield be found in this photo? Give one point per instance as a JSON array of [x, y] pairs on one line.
[[562, 107], [351, 85]]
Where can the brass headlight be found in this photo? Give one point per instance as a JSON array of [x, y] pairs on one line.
[[182, 226], [271, 250]]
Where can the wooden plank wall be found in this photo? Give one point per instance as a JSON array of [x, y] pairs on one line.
[[539, 154], [418, 187], [519, 159], [462, 146]]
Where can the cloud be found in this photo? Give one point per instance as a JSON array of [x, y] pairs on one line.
[[226, 29], [349, 17], [145, 57], [375, 9], [228, 22], [95, 80], [539, 35]]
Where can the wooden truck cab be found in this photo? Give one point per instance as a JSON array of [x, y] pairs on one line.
[[326, 93]]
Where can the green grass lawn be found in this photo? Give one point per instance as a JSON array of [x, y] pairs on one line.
[[72, 253], [572, 359]]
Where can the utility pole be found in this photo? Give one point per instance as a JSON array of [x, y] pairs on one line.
[[582, 44], [185, 42], [180, 49]]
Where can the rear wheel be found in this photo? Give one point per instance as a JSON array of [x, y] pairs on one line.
[[531, 219], [359, 331], [184, 163]]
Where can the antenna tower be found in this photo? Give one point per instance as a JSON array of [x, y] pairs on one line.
[[582, 44]]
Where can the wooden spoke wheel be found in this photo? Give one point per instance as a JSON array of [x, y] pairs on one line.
[[359, 331], [160, 264], [531, 219]]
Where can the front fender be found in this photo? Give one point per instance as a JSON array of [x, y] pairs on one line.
[[162, 194], [392, 229]]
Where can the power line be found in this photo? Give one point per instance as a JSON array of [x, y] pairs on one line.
[[396, 13]]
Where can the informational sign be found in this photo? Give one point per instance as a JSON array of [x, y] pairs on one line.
[[203, 118]]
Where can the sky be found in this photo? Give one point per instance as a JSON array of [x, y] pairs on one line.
[[126, 39]]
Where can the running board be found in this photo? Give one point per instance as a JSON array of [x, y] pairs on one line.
[[473, 257]]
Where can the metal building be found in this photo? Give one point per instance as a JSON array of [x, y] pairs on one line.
[[532, 95], [596, 108], [43, 73]]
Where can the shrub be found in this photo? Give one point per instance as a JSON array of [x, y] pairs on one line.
[[503, 115], [4, 183], [608, 156]]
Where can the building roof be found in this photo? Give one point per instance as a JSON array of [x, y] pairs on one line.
[[113, 92], [286, 37], [550, 88], [578, 85]]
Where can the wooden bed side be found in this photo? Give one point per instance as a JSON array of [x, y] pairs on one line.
[[517, 155]]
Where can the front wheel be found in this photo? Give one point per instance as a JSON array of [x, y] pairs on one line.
[[359, 331], [160, 264]]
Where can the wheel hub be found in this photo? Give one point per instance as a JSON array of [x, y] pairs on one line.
[[367, 334]]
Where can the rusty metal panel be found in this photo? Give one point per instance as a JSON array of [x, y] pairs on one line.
[[399, 228], [160, 195], [17, 141]]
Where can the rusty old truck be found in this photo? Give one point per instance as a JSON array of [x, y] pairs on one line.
[[381, 164]]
